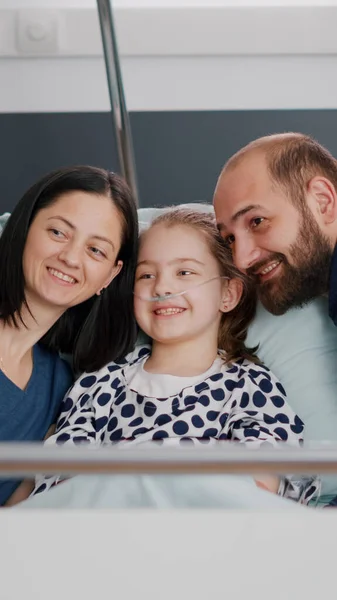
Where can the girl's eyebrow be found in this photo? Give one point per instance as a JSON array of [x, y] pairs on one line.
[[172, 262]]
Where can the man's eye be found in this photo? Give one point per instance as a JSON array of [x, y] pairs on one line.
[[229, 240], [257, 221]]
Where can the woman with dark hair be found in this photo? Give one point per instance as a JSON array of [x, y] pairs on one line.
[[68, 255]]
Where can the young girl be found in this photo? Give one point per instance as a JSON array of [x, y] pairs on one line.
[[198, 381]]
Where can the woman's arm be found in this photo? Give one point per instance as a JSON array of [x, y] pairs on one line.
[[21, 493], [26, 487]]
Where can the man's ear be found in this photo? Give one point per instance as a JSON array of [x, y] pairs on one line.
[[324, 196], [232, 293], [113, 273]]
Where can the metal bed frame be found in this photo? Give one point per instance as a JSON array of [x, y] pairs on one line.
[[25, 460]]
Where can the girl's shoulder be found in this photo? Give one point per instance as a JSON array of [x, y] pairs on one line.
[[137, 354], [114, 367], [245, 368]]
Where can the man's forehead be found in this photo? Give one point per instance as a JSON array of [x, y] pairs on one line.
[[244, 182], [248, 172]]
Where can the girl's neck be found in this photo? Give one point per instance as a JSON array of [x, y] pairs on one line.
[[184, 359], [16, 342]]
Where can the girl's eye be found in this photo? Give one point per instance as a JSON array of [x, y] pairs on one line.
[[146, 276], [257, 221]]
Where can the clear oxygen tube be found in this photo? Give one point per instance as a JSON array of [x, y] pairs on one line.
[[165, 297]]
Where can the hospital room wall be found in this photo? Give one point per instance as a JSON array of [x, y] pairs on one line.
[[192, 103]]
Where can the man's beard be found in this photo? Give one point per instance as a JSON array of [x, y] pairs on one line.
[[303, 280]]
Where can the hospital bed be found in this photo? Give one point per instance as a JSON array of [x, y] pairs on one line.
[[182, 537]]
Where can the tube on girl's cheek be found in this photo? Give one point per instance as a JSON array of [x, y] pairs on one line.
[[169, 296]]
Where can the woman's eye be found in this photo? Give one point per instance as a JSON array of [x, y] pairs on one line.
[[146, 276], [96, 251], [185, 272], [56, 232], [257, 221]]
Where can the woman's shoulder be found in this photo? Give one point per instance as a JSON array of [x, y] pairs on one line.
[[54, 366]]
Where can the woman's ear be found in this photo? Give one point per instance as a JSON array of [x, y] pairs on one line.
[[113, 273], [232, 292]]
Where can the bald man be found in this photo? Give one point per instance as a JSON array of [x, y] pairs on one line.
[[276, 208]]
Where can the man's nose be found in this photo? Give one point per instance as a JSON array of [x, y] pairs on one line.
[[245, 253]]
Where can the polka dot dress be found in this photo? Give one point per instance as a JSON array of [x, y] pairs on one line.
[[242, 401]]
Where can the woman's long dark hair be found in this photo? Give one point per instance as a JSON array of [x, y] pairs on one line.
[[102, 328]]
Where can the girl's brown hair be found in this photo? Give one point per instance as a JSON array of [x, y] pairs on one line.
[[233, 325]]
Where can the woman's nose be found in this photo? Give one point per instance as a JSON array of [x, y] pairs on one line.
[[71, 255]]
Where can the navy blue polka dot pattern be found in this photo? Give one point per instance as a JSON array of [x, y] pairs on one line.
[[180, 427], [278, 401], [218, 394], [67, 405], [282, 433], [190, 400], [88, 381], [100, 423], [242, 402], [266, 385], [216, 377], [112, 424], [162, 420], [149, 409], [298, 425], [103, 399], [204, 400], [160, 435], [212, 415], [212, 432], [197, 421], [136, 422], [280, 388], [116, 435], [259, 399], [128, 410]]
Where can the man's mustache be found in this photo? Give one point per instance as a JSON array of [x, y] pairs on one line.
[[258, 266]]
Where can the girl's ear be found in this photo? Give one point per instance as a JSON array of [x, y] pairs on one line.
[[232, 292]]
